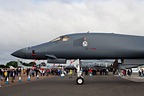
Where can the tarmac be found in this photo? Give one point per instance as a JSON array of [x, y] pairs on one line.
[[105, 85]]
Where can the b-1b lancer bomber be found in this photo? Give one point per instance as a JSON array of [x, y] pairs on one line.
[[84, 46]]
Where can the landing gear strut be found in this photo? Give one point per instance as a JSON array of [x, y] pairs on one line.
[[80, 78]]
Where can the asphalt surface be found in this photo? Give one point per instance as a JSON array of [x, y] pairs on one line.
[[93, 86]]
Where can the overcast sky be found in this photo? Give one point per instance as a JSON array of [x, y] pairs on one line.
[[30, 22]]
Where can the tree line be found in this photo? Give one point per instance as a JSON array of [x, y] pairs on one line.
[[15, 64]]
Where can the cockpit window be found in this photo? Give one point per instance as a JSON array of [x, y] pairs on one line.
[[62, 38], [65, 38], [57, 39]]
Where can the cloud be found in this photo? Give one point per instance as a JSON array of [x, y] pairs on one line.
[[29, 22]]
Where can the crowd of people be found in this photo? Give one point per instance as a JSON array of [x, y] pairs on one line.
[[94, 71], [12, 73], [33, 72], [9, 73], [126, 72]]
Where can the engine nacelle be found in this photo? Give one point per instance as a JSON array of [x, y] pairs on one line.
[[59, 61]]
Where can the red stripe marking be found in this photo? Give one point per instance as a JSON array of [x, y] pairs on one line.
[[93, 48]]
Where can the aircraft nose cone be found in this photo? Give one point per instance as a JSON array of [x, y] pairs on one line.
[[20, 53]]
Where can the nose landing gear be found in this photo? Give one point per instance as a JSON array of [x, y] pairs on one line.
[[80, 80]]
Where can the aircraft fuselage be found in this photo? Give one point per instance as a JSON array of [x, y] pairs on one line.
[[87, 46]]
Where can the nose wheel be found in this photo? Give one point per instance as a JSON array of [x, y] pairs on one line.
[[80, 80]]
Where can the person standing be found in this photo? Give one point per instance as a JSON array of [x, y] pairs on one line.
[[1, 74], [27, 71], [128, 72], [71, 72], [5, 74], [139, 72], [13, 75], [90, 72]]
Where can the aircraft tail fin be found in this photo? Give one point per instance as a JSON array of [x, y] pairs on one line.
[[11, 67], [20, 64]]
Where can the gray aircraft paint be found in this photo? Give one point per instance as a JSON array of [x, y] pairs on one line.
[[99, 46]]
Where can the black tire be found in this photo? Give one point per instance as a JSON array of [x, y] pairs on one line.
[[79, 81]]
